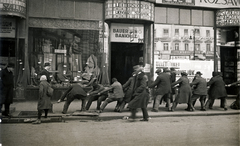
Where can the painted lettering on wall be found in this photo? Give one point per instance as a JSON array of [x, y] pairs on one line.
[[228, 17], [134, 9]]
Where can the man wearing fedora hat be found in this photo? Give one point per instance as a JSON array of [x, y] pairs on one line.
[[199, 91], [7, 85], [184, 91], [46, 72]]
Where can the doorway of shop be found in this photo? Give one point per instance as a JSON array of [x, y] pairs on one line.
[[123, 57]]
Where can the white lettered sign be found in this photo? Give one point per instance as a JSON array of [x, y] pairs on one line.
[[131, 33]]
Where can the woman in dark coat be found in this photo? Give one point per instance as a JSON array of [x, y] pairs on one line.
[[217, 90], [44, 101], [140, 94], [184, 91]]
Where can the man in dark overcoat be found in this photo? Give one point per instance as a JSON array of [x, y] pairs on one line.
[[140, 94], [74, 92], [163, 83], [7, 83], [199, 91], [217, 90], [128, 90]]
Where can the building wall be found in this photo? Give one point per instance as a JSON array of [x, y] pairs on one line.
[[66, 9], [168, 15]]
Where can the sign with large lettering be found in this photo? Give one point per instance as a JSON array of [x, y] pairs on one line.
[[188, 66], [13, 7], [131, 33], [218, 3], [179, 2], [129, 9], [228, 17], [7, 27], [203, 3]]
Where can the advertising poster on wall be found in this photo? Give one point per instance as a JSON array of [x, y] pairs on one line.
[[7, 28], [188, 66]]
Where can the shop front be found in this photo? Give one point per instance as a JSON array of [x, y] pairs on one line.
[[71, 41], [228, 27], [12, 38], [131, 36]]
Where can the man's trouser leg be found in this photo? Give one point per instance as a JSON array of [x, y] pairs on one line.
[[83, 107], [99, 101], [157, 102], [105, 103], [90, 100], [133, 113], [67, 103], [7, 108], [192, 100], [169, 101], [122, 106], [202, 101], [119, 101], [145, 113], [207, 105]]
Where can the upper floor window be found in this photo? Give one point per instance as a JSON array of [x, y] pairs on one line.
[[186, 47], [197, 47], [176, 32], [208, 47], [176, 46], [165, 32], [207, 33], [165, 46], [197, 32], [185, 32]]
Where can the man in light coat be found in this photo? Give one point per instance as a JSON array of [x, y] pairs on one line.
[[116, 95]]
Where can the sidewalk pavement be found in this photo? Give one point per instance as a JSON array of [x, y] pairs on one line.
[[26, 111]]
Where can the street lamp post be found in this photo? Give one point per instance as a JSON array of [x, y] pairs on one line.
[[194, 49]]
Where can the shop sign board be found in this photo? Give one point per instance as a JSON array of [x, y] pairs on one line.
[[13, 8], [129, 9], [188, 66], [218, 3], [228, 17], [7, 27], [129, 33], [203, 3]]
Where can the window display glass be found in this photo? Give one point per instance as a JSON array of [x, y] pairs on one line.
[[74, 55]]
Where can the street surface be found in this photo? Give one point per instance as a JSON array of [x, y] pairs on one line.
[[160, 131]]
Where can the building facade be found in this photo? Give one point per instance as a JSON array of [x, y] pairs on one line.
[[108, 37]]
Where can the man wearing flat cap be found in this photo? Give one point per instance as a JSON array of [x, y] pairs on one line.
[[199, 91], [163, 88], [46, 72], [7, 85]]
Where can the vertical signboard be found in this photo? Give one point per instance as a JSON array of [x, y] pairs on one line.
[[7, 27]]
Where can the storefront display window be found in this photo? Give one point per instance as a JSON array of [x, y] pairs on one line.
[[74, 55]]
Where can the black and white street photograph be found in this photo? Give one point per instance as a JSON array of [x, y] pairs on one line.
[[119, 72]]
